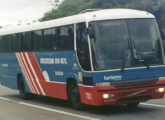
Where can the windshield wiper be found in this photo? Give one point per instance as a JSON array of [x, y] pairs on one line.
[[139, 58], [132, 55]]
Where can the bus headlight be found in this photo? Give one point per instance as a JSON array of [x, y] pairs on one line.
[[161, 78], [103, 84], [106, 96], [109, 96], [160, 90]]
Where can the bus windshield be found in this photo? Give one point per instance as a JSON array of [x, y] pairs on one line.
[[128, 43]]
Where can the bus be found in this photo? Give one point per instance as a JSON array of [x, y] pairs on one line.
[[98, 58]]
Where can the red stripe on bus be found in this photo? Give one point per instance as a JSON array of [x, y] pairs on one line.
[[52, 89], [28, 72], [38, 71], [34, 70], [27, 77], [32, 74]]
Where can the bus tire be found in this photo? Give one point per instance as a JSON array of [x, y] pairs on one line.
[[74, 96], [132, 105]]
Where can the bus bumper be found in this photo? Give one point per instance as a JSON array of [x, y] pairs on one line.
[[139, 92]]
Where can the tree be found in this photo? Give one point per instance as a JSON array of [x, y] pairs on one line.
[[71, 7], [55, 3]]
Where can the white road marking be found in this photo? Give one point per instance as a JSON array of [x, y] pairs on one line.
[[154, 105], [50, 109], [5, 99]]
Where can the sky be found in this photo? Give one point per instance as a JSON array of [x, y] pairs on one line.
[[13, 11]]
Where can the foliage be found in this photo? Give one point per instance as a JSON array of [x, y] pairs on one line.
[[71, 7]]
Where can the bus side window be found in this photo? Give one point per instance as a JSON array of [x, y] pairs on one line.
[[12, 42], [1, 44], [82, 46], [17, 43], [65, 37], [5, 43], [27, 41], [37, 40], [49, 39], [9, 43]]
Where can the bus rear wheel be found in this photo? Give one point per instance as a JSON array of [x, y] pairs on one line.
[[22, 92], [74, 96]]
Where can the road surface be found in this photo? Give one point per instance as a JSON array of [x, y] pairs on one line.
[[44, 108]]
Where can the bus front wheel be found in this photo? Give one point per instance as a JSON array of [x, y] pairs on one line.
[[74, 96]]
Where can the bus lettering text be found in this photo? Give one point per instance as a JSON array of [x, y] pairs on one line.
[[117, 77]]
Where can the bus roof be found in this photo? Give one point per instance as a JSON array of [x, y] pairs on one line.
[[105, 14]]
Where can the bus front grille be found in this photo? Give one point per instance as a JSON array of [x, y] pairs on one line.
[[136, 85], [134, 99]]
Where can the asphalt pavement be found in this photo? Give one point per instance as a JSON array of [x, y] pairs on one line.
[[45, 108]]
